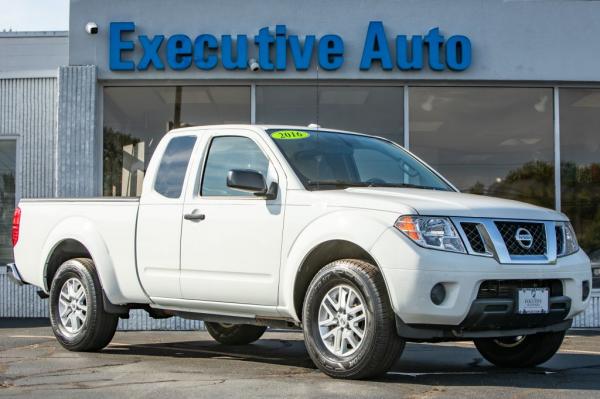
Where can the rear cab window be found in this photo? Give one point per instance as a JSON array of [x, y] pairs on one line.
[[173, 166]]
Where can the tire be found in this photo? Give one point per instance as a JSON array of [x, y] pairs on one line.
[[97, 328], [331, 352], [520, 352], [234, 334]]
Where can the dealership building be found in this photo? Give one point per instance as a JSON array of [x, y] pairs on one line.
[[501, 97]]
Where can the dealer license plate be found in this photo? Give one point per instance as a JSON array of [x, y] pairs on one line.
[[533, 300]]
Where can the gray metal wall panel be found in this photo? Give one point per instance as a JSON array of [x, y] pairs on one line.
[[27, 110], [591, 317], [18, 301], [33, 53], [77, 141], [23, 302]]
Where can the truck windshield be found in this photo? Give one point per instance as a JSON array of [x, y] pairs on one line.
[[325, 160]]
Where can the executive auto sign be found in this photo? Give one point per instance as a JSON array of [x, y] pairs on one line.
[[206, 51]]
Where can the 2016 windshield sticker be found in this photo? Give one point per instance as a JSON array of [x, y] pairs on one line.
[[289, 135]]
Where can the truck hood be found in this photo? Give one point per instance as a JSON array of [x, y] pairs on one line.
[[436, 203]]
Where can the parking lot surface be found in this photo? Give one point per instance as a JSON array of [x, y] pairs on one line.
[[191, 364]]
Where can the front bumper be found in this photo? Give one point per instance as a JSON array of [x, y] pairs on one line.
[[411, 276]]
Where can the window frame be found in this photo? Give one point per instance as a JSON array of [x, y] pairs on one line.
[[199, 179]]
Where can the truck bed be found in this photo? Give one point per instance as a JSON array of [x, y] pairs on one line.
[[107, 225]]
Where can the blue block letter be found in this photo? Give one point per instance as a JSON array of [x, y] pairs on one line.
[[264, 41], [376, 47], [458, 53], [151, 56], [302, 56], [241, 62], [202, 43], [117, 46], [409, 59], [434, 40], [179, 52], [331, 52]]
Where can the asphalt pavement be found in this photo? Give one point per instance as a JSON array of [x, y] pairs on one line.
[[190, 364]]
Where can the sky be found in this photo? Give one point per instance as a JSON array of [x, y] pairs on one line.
[[27, 15]]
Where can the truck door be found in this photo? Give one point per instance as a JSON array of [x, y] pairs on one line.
[[159, 218], [231, 239]]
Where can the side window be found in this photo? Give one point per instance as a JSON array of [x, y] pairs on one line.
[[227, 153], [173, 166]]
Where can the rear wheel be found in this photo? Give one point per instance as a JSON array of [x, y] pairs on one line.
[[77, 314], [348, 321], [522, 351], [234, 334]]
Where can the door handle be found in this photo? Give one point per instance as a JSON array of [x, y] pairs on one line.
[[194, 216]]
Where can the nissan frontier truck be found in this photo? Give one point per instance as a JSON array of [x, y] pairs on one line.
[[347, 236]]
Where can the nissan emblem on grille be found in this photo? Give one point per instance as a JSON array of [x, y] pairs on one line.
[[524, 238]]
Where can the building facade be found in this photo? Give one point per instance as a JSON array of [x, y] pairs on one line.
[[502, 97]]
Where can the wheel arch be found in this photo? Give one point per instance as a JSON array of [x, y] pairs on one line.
[[75, 238], [63, 251], [344, 233], [320, 256]]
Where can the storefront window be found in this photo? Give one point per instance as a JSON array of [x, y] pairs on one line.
[[8, 152], [366, 109], [580, 165], [491, 141], [136, 118]]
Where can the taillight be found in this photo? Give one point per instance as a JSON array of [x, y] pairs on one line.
[[15, 226]]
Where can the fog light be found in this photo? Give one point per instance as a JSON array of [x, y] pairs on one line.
[[585, 290], [438, 294]]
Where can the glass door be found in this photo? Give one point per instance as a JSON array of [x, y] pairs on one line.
[[8, 165]]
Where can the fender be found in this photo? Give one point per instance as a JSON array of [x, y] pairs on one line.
[[338, 225], [84, 231]]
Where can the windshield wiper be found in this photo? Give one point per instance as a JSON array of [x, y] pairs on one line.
[[406, 185], [336, 183], [346, 184]]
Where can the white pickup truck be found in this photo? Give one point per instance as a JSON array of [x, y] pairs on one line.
[[348, 236]]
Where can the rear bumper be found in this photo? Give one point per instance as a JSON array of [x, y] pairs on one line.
[[14, 275]]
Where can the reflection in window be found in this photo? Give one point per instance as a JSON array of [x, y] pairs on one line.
[[325, 160], [492, 141], [580, 165], [136, 118], [367, 109], [8, 153], [173, 165], [227, 153]]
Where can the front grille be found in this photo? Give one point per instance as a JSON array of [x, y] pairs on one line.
[[559, 240], [508, 231], [474, 237], [507, 288]]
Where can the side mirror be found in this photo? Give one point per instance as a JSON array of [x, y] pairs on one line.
[[251, 181]]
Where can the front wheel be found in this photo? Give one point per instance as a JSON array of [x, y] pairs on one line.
[[77, 313], [234, 334], [348, 321], [522, 351]]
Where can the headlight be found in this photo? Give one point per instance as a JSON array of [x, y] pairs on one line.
[[431, 232], [570, 245]]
